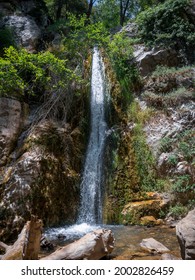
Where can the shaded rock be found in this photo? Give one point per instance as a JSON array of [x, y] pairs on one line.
[[130, 29], [164, 164], [6, 8], [185, 231], [167, 256], [190, 10], [147, 60], [42, 181], [153, 246], [27, 21], [45, 243], [26, 31], [13, 115]]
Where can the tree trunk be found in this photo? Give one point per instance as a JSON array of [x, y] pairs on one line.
[[123, 10], [91, 2], [93, 246], [27, 245]]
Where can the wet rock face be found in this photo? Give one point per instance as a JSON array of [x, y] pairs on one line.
[[12, 118], [185, 231], [43, 181]]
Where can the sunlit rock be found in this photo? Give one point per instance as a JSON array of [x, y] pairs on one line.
[[147, 60], [153, 246], [150, 221], [134, 212], [26, 31]]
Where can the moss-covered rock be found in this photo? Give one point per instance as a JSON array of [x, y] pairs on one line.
[[44, 180]]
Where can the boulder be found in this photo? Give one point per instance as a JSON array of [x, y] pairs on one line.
[[130, 29], [185, 231], [153, 246], [135, 211], [147, 59], [26, 32], [26, 20], [13, 115], [182, 168]]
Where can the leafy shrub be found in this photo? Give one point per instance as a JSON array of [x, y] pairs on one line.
[[167, 24], [6, 38], [178, 211], [166, 144], [31, 74], [82, 37], [182, 184], [10, 81], [173, 159], [186, 144], [173, 98], [120, 52]]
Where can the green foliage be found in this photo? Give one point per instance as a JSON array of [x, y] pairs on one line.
[[183, 144], [174, 98], [144, 160], [65, 6], [186, 144], [162, 185], [145, 163], [107, 11], [120, 52], [166, 144], [30, 74], [173, 159], [183, 184], [178, 211], [164, 71], [169, 86], [167, 24], [82, 37], [6, 38], [10, 81]]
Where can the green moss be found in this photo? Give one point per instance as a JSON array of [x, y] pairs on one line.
[[132, 172]]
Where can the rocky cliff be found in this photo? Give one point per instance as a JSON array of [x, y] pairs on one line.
[[25, 21]]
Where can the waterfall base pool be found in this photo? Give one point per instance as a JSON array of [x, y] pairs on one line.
[[127, 239]]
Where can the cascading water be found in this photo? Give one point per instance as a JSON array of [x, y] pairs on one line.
[[90, 211], [91, 191]]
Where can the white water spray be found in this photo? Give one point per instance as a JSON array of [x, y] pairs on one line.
[[91, 189]]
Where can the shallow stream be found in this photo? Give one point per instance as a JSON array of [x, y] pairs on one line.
[[127, 239]]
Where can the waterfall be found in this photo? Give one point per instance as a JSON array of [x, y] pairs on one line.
[[91, 190]]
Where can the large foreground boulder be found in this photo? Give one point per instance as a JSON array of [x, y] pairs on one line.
[[185, 231]]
